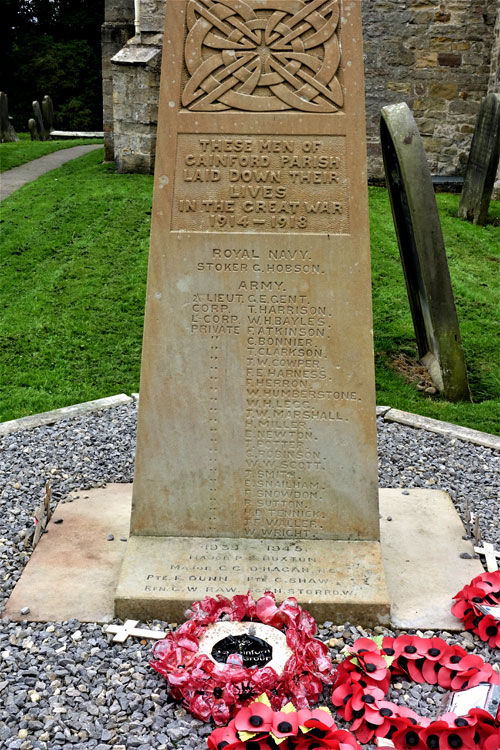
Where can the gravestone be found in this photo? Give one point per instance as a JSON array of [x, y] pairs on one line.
[[256, 464], [40, 126], [423, 256], [48, 113], [483, 163], [33, 129], [7, 132]]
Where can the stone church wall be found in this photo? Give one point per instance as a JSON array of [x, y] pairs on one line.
[[440, 56]]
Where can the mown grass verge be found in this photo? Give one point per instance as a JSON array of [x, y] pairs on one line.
[[72, 284], [25, 150]]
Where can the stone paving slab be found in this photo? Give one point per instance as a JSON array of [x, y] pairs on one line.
[[442, 428], [73, 572], [421, 547], [15, 178]]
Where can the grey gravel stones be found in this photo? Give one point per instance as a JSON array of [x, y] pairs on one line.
[[67, 685]]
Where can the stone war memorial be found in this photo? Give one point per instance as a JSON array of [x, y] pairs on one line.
[[256, 461]]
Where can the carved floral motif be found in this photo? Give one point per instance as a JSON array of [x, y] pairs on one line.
[[262, 55]]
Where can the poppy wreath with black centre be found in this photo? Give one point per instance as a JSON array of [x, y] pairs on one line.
[[361, 685], [482, 590], [258, 727], [212, 690]]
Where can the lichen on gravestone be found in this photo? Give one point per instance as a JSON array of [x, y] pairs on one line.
[[422, 251], [483, 163]]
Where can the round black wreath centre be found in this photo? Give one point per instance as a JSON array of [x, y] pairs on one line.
[[254, 651]]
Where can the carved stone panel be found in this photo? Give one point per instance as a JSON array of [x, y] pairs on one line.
[[262, 56]]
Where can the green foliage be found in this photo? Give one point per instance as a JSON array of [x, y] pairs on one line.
[[15, 154], [53, 47], [72, 284]]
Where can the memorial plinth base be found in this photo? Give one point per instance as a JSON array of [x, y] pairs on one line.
[[334, 580]]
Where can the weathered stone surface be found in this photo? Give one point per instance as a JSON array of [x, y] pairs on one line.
[[422, 251], [422, 546], [73, 571], [58, 585], [48, 113], [335, 581], [40, 126], [257, 412], [483, 163], [7, 132], [135, 72]]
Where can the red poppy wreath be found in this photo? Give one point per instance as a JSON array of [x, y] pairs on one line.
[[258, 727], [215, 682], [471, 602], [362, 682]]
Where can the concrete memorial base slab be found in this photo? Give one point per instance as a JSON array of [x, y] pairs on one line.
[[74, 571], [421, 547], [334, 580]]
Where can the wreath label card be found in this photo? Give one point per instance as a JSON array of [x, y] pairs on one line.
[[486, 697], [258, 645]]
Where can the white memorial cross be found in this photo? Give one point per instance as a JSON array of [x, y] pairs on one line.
[[129, 627], [490, 554]]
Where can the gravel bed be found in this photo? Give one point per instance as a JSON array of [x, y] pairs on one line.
[[64, 685]]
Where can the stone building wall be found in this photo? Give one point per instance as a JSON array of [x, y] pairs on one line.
[[437, 55], [118, 27], [494, 85]]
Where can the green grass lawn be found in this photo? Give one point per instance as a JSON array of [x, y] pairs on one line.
[[17, 153], [73, 264]]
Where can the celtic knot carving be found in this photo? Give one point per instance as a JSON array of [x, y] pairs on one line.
[[262, 55]]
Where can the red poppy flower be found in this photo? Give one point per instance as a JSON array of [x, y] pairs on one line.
[[488, 630], [440, 735], [431, 660], [224, 738], [257, 717], [285, 724], [318, 719], [366, 652]]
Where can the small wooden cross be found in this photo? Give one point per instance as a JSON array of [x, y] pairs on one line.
[[489, 552], [129, 627]]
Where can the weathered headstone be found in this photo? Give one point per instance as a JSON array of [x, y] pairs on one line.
[[422, 251], [48, 113], [483, 163], [256, 463], [33, 129], [7, 132], [40, 126]]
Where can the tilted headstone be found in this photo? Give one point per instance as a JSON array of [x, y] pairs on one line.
[[7, 132], [483, 163], [40, 126], [48, 113], [422, 251], [256, 464]]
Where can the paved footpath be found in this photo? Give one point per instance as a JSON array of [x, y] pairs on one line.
[[15, 178]]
